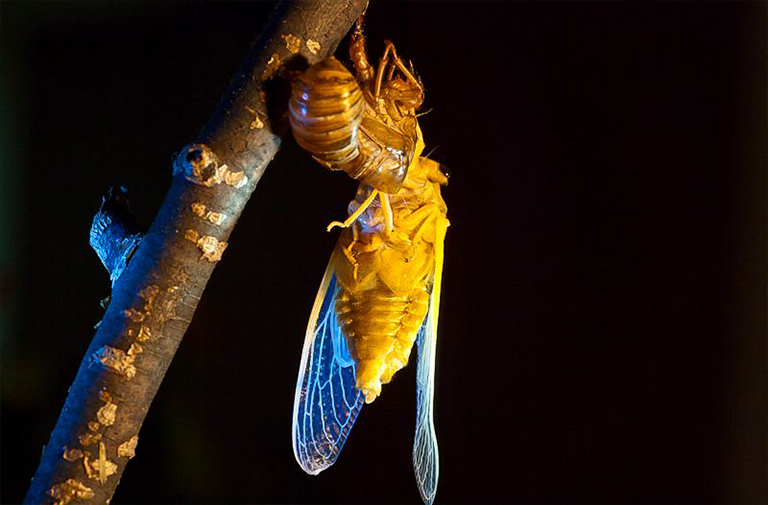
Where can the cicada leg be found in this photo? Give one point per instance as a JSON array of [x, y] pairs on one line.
[[418, 220], [417, 216], [353, 217], [363, 68], [350, 222], [380, 73], [391, 72], [435, 216], [356, 247], [386, 209], [391, 52], [347, 251]]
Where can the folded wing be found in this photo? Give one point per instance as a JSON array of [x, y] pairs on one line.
[[327, 402], [425, 453], [426, 462]]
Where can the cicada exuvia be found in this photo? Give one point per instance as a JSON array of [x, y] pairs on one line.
[[381, 289]]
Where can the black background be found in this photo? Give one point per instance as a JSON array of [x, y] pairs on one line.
[[603, 332]]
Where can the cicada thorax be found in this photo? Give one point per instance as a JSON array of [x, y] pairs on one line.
[[335, 120]]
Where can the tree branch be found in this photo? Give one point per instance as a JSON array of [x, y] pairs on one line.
[[154, 298]]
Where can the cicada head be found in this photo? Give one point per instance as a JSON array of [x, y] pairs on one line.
[[407, 95]]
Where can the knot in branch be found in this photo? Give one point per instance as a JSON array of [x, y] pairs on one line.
[[198, 164]]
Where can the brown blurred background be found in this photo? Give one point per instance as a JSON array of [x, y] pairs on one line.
[[603, 333]]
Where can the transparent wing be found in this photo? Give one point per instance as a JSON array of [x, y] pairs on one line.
[[425, 454], [326, 402], [426, 462]]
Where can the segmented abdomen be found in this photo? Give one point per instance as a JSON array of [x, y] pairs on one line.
[[327, 112], [380, 328], [326, 108]]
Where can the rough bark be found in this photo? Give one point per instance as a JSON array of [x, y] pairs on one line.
[[154, 299]]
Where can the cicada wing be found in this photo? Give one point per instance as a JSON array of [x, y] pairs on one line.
[[425, 454], [326, 402], [426, 462]]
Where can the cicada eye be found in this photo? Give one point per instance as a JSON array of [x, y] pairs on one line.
[[436, 172], [412, 101], [404, 93]]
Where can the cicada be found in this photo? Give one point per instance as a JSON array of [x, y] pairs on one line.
[[381, 290]]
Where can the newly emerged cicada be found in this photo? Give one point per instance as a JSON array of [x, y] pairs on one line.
[[381, 289]]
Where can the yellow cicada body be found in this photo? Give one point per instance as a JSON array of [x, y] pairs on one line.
[[380, 293]]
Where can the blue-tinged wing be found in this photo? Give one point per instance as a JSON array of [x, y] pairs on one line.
[[426, 462], [327, 401], [425, 454]]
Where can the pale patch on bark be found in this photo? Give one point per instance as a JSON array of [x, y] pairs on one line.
[[135, 350], [87, 439], [292, 42], [201, 211], [313, 46], [106, 414], [272, 65], [72, 454], [134, 315], [116, 360], [216, 218], [257, 123], [211, 247], [144, 334], [128, 448], [198, 164], [93, 468], [71, 489], [234, 179], [148, 294]]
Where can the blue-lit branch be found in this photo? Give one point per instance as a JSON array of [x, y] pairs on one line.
[[163, 277]]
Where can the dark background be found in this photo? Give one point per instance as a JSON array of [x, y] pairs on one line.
[[603, 332]]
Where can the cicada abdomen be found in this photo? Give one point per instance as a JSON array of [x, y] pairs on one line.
[[326, 108], [332, 118]]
